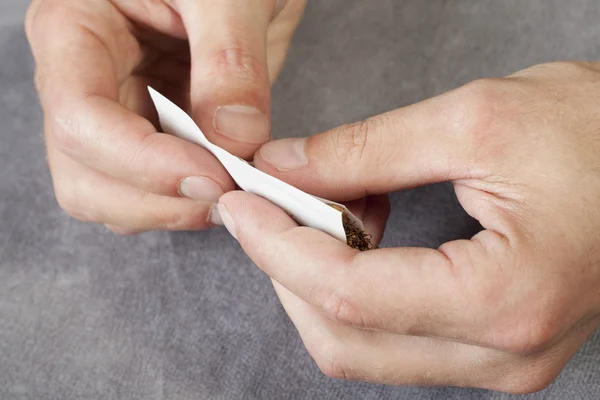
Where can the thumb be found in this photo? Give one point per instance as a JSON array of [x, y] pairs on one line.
[[230, 89], [424, 143]]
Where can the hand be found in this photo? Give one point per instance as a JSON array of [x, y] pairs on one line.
[[505, 310], [94, 60]]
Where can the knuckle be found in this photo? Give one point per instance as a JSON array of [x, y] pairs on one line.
[[527, 380], [240, 63], [345, 302], [187, 219], [68, 201], [334, 370], [341, 308], [336, 307], [476, 107], [523, 327], [531, 335], [359, 136], [142, 156], [186, 223], [329, 360], [351, 142], [528, 386], [42, 15], [62, 130]]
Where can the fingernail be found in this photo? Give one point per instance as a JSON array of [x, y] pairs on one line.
[[285, 154], [200, 188], [214, 217], [227, 220], [242, 123]]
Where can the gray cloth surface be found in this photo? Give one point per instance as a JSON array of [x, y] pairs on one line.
[[85, 314]]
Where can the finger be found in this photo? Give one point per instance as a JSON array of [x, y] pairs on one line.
[[78, 84], [230, 87], [432, 141], [91, 196], [281, 30], [102, 134], [462, 292], [348, 353], [161, 15]]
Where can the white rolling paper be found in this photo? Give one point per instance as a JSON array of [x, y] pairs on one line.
[[306, 209]]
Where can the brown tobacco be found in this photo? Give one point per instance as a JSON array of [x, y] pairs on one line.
[[355, 237]]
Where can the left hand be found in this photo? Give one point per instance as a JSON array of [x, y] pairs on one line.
[[505, 310], [94, 61]]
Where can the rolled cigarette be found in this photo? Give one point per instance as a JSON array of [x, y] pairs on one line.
[[307, 210]]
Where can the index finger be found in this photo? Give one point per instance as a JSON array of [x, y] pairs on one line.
[[416, 291]]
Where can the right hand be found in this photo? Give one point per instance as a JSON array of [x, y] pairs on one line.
[[505, 310], [94, 60]]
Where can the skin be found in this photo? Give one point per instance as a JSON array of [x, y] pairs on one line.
[[94, 59], [505, 310]]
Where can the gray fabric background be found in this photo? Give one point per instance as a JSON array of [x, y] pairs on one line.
[[85, 314]]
